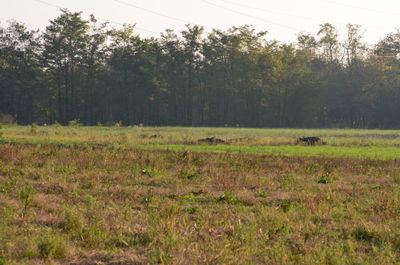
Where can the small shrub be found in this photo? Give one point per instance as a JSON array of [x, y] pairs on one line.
[[260, 194], [190, 196], [286, 205], [95, 234], [147, 198], [324, 180], [152, 172], [125, 240], [191, 210], [1, 130], [188, 174], [74, 123], [33, 129], [229, 197], [362, 234], [118, 124], [376, 187], [73, 222], [52, 247], [87, 185], [89, 200], [26, 195], [3, 189]]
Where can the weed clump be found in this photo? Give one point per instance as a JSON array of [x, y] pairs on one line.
[[191, 196], [191, 210], [362, 234], [73, 222], [52, 247], [33, 129], [25, 196], [286, 205], [324, 180], [188, 174], [229, 197], [74, 123]]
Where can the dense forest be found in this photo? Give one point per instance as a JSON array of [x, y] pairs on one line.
[[83, 69]]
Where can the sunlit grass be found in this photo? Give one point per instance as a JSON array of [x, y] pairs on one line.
[[373, 144], [63, 204]]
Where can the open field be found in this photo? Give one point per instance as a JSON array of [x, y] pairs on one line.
[[373, 144], [78, 195]]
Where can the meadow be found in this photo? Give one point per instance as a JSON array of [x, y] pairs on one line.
[[142, 195]]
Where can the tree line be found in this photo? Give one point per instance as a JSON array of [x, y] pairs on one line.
[[82, 69]]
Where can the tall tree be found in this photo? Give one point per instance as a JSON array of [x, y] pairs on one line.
[[65, 46]]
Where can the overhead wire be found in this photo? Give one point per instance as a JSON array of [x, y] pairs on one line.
[[152, 12], [187, 22], [293, 15], [362, 8], [99, 18], [253, 17]]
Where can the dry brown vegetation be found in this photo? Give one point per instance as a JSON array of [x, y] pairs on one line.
[[66, 205]]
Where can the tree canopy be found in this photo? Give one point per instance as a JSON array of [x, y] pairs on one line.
[[82, 69]]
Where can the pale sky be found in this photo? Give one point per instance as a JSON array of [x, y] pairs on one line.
[[283, 19]]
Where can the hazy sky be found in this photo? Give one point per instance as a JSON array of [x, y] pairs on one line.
[[283, 19]]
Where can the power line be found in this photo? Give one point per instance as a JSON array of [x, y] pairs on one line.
[[362, 8], [99, 18], [254, 17], [292, 15], [152, 12], [267, 11]]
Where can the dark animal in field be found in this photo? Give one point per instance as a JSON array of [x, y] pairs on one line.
[[211, 140], [155, 136], [309, 140]]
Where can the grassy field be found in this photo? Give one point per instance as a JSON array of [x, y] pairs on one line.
[[372, 144], [79, 195]]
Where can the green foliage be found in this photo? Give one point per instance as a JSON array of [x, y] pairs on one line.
[[286, 205], [152, 172], [148, 198], [33, 129], [260, 194], [188, 173], [325, 179], [191, 196], [74, 123], [52, 247], [229, 197], [180, 78], [191, 210], [26, 195], [73, 222]]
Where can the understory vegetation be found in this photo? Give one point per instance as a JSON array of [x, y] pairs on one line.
[[64, 203]]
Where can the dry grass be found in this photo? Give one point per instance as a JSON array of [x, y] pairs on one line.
[[69, 205]]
